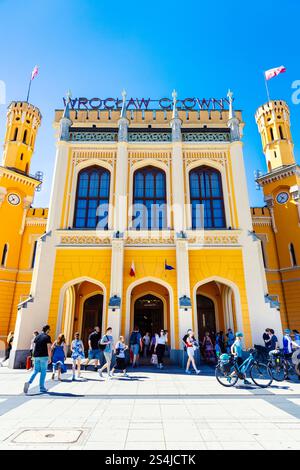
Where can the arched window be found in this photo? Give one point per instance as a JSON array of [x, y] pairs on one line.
[[15, 134], [271, 133], [4, 255], [281, 132], [293, 254], [92, 198], [149, 199], [206, 198], [25, 137]]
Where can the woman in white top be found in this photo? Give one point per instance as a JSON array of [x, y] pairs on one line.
[[160, 347]]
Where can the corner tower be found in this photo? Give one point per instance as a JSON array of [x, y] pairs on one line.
[[273, 121], [23, 121]]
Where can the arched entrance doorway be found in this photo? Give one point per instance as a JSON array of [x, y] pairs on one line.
[[149, 314], [206, 315], [92, 316], [81, 309], [217, 307]]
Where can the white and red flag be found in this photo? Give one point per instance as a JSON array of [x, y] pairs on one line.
[[132, 270], [34, 73], [271, 73]]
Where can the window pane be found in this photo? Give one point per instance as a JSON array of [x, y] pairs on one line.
[[94, 185], [104, 186], [149, 185], [83, 185]]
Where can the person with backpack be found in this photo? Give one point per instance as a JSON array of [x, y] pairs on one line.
[[136, 345], [107, 342], [190, 345]]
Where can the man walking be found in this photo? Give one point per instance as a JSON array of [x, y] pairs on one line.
[[136, 344], [42, 357], [94, 350]]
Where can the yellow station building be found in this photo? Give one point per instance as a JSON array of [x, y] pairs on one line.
[[148, 190]]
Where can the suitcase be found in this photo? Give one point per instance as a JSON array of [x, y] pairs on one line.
[[28, 363]]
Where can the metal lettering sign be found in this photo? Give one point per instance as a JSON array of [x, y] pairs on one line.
[[187, 104]]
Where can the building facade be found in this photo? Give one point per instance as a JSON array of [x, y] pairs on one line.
[[135, 194]]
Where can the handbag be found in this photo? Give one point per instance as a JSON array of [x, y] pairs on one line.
[[154, 359]]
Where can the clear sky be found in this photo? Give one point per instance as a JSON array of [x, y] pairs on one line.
[[99, 47]]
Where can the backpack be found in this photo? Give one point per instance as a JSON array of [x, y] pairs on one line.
[[134, 338], [102, 346]]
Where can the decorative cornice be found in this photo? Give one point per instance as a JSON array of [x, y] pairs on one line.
[[279, 173], [18, 177]]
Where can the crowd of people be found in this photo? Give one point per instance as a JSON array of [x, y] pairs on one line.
[[109, 356]]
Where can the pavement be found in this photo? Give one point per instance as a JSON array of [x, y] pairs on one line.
[[150, 410]]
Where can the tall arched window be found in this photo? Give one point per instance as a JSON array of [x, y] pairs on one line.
[[15, 134], [271, 133], [206, 198], [4, 255], [25, 137], [33, 254], [293, 254], [281, 132], [149, 199], [92, 198]]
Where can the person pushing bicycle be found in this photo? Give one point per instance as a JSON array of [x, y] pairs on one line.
[[237, 352]]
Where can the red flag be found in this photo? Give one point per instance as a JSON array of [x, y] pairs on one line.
[[34, 73], [132, 270], [274, 72]]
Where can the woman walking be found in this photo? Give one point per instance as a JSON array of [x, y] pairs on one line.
[[120, 349], [208, 348], [191, 346], [77, 350], [107, 340], [160, 347], [59, 353]]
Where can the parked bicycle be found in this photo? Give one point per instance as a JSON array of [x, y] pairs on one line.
[[228, 371], [282, 367]]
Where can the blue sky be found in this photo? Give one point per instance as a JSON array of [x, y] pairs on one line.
[[97, 47]]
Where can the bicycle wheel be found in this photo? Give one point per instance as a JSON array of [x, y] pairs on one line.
[[261, 374], [278, 372], [224, 376]]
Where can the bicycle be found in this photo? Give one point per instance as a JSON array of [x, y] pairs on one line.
[[228, 371], [283, 367]]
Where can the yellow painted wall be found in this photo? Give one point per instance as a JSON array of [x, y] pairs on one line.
[[73, 264], [226, 264]]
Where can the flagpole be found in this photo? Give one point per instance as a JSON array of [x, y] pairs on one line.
[[29, 88], [267, 88]]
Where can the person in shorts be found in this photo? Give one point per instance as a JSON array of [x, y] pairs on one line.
[[120, 349], [94, 353], [237, 352], [190, 345]]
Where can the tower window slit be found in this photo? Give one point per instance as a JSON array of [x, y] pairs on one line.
[[271, 133], [293, 254], [281, 132], [4, 255]]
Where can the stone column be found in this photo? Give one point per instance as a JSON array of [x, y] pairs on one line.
[[183, 287], [116, 287]]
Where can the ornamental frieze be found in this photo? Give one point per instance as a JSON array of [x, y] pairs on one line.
[[84, 240], [214, 240]]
